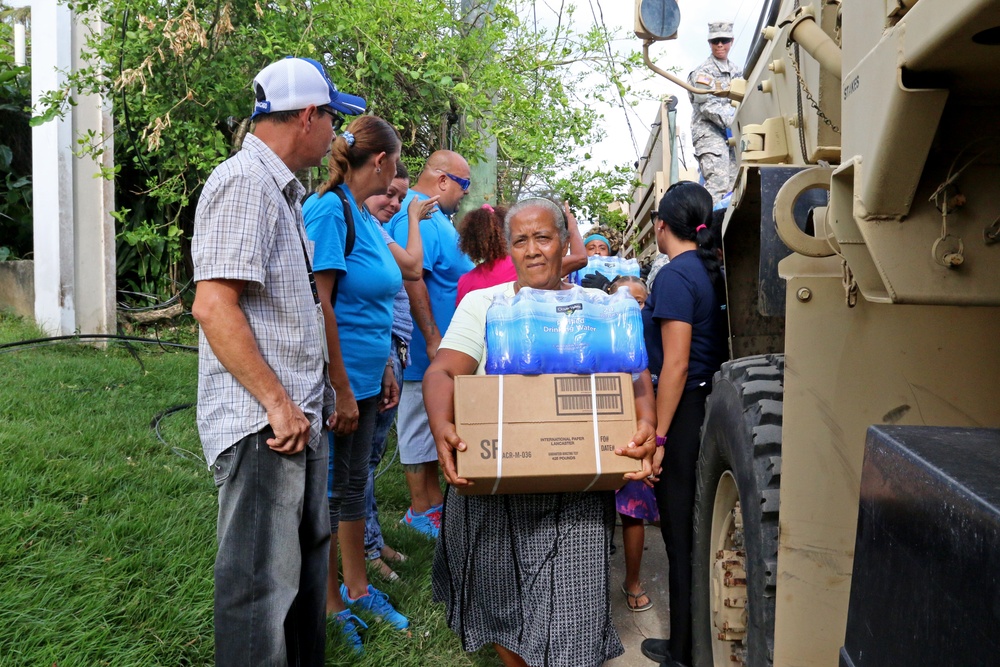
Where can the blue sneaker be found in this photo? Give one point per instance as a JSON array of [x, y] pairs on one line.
[[377, 604], [435, 514], [349, 629], [422, 523]]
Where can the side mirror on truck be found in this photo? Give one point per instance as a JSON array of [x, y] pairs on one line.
[[657, 19]]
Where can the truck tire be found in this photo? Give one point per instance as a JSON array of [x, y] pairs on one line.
[[736, 516]]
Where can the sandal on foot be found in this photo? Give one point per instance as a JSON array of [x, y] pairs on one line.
[[383, 569], [388, 553], [632, 600]]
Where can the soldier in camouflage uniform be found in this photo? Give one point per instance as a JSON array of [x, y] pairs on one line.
[[712, 115]]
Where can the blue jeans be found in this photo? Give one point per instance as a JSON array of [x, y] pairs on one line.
[[274, 547], [373, 529]]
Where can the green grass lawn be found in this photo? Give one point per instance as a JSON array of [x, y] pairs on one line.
[[107, 534]]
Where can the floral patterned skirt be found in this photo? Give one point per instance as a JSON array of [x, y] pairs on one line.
[[638, 501]]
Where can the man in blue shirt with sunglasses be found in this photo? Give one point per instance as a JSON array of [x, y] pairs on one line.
[[432, 304]]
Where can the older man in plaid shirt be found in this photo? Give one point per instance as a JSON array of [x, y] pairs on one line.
[[262, 383]]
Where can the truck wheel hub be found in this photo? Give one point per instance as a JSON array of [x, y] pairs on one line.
[[729, 578]]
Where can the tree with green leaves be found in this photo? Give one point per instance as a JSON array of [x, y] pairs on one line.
[[15, 144], [178, 74]]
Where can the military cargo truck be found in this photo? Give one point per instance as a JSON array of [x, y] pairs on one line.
[[849, 475]]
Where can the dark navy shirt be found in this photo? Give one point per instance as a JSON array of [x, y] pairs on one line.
[[683, 291]]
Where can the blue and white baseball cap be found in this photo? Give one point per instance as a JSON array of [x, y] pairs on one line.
[[295, 83]]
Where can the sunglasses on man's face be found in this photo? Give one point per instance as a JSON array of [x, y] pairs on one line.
[[463, 183], [719, 40], [338, 120]]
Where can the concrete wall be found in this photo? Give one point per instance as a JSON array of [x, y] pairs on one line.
[[17, 287]]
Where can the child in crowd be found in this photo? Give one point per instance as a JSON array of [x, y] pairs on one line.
[[481, 238], [635, 502]]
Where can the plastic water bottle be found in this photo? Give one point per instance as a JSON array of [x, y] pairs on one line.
[[564, 331], [610, 267], [628, 344]]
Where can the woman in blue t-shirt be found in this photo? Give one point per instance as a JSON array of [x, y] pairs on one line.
[[356, 290], [685, 329]]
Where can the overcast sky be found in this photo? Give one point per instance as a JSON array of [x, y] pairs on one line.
[[686, 52]]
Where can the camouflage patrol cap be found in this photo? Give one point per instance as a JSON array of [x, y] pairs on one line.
[[718, 29]]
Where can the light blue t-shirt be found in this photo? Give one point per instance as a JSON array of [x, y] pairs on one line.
[[402, 323], [444, 264], [366, 284]]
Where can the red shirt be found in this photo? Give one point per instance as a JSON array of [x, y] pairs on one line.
[[485, 275]]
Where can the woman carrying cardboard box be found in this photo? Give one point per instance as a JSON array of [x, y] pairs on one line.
[[527, 573]]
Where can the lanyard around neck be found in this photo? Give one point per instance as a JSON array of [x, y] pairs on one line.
[[298, 231]]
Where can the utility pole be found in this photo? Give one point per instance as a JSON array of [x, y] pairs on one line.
[[483, 190]]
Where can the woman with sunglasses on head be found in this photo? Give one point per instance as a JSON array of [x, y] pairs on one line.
[[356, 285], [685, 329]]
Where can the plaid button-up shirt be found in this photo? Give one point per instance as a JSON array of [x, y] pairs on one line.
[[248, 226]]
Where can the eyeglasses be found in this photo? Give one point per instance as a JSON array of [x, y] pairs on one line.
[[338, 120], [463, 183], [720, 40]]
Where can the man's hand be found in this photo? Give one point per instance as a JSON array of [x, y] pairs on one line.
[[329, 407], [423, 315], [290, 426], [570, 218], [447, 444], [390, 390]]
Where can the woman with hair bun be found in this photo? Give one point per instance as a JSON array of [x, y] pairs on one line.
[[684, 325], [356, 290]]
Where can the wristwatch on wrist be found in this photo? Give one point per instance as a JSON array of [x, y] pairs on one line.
[[661, 440]]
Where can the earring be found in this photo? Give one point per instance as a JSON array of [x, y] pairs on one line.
[[378, 170]]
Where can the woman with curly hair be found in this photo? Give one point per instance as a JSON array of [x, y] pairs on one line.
[[482, 239]]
